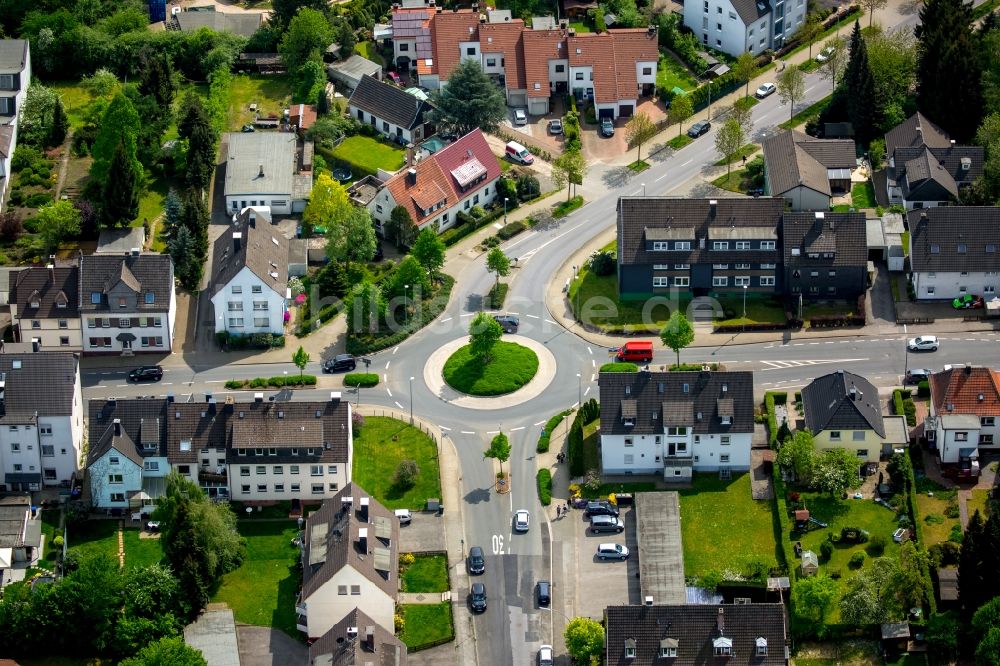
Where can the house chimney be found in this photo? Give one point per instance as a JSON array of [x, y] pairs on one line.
[[410, 150], [712, 205], [968, 369], [258, 397], [981, 397], [237, 241], [118, 427], [854, 393], [170, 397], [260, 171], [36, 345], [335, 397], [211, 406], [648, 600], [364, 509], [52, 273], [411, 176], [721, 622], [370, 630], [952, 143], [352, 632]]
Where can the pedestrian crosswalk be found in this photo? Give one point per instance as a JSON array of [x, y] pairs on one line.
[[782, 365]]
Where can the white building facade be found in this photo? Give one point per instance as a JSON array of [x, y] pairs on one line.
[[15, 77]]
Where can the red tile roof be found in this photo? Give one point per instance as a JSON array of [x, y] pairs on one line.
[[450, 28], [303, 115], [472, 146], [596, 50], [541, 46], [505, 38], [961, 388], [632, 46]]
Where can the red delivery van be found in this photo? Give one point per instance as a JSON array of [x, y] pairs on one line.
[[639, 351]]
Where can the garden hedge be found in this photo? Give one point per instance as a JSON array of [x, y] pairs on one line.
[[902, 405], [619, 367], [272, 382], [544, 479], [359, 346], [550, 426], [772, 398], [362, 379]]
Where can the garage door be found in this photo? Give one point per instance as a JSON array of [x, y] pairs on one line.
[[606, 113], [625, 110], [518, 99]]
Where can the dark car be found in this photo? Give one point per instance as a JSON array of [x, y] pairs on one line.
[[509, 323], [477, 599], [147, 373], [699, 128], [544, 593], [340, 362], [477, 563], [607, 127], [601, 508], [917, 375]]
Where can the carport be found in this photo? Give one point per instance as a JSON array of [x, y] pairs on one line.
[[661, 557]]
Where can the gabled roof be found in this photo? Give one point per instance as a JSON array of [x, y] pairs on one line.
[[333, 541], [389, 102], [245, 23], [960, 388], [504, 38], [937, 235], [260, 247], [42, 383], [933, 174], [449, 29], [656, 398], [842, 401], [137, 419], [147, 272], [13, 55], [751, 10], [841, 233], [542, 46], [115, 437], [694, 630], [793, 158], [56, 290], [632, 45], [593, 49], [915, 131], [357, 640]]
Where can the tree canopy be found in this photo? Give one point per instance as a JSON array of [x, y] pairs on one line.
[[677, 333], [584, 639], [309, 33], [499, 449], [638, 130], [497, 263], [119, 125], [328, 203], [470, 100], [484, 333], [428, 249]]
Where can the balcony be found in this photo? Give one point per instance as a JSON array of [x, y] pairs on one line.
[[207, 478]]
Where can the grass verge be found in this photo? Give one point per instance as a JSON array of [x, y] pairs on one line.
[[806, 114], [428, 573], [511, 367], [426, 625], [564, 208], [679, 142], [639, 166], [745, 151], [379, 446]]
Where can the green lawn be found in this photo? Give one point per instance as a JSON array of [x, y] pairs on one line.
[[904, 238], [75, 99], [564, 208], [272, 94], [426, 625], [671, 73], [512, 367], [141, 552], [262, 590], [95, 537], [428, 573], [151, 203], [369, 50], [379, 447], [369, 155], [639, 166], [759, 310], [745, 151], [980, 501], [932, 512], [722, 528], [591, 449], [50, 528], [863, 195], [579, 26], [680, 141]]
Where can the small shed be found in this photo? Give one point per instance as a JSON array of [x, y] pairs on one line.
[[349, 72], [948, 585], [297, 257], [810, 563], [895, 636]]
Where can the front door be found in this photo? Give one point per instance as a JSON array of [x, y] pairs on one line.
[[671, 449]]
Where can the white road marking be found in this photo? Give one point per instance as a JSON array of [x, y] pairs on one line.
[[593, 362], [828, 343], [398, 405], [167, 384], [447, 319], [492, 432], [814, 343], [516, 313], [590, 351], [395, 350], [539, 423], [121, 385], [216, 381], [549, 321], [593, 378], [470, 314], [468, 432], [387, 390], [387, 364], [636, 192], [532, 316], [444, 428], [517, 428], [688, 162], [587, 391], [766, 384], [385, 376], [661, 178]]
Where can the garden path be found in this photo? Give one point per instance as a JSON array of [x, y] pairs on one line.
[[121, 543], [425, 598], [64, 163]]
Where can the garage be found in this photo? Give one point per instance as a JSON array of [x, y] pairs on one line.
[[626, 110], [538, 106], [517, 99], [606, 112]]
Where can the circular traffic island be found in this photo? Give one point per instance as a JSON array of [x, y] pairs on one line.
[[511, 366]]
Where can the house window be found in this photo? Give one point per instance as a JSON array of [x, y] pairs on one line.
[[741, 267], [742, 245], [661, 267], [35, 323], [404, 47], [245, 488], [293, 469], [260, 306], [579, 76], [987, 420], [261, 322], [244, 471], [862, 453], [117, 497], [331, 469], [115, 479], [44, 429], [767, 280], [236, 322], [986, 439], [342, 590], [962, 247], [470, 50], [630, 651], [278, 469], [682, 281], [560, 69], [720, 245], [50, 474], [629, 458], [720, 267], [235, 306], [122, 302], [332, 487], [151, 466], [724, 440], [989, 289], [961, 436], [315, 470], [720, 281], [661, 281], [491, 62], [355, 590], [742, 281], [762, 643], [255, 289], [669, 651], [647, 71], [64, 341], [63, 324], [834, 435], [628, 441], [682, 245], [964, 274], [832, 274], [261, 469], [279, 487], [767, 245], [677, 432], [48, 450], [660, 246], [682, 267], [767, 267], [295, 487], [859, 435], [813, 273], [262, 487], [18, 467], [237, 289], [317, 489], [113, 460], [724, 458], [184, 469], [930, 291]]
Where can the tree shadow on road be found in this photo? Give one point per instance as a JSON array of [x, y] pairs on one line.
[[617, 176], [478, 495], [659, 152]]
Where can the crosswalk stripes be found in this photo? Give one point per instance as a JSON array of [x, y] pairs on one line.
[[781, 365]]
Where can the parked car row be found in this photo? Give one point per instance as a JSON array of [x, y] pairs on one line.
[[604, 517]]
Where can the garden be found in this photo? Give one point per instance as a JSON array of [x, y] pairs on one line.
[[381, 446], [422, 626], [511, 366], [424, 572], [366, 155]]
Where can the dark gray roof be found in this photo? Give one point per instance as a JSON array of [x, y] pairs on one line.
[[842, 401], [935, 174], [148, 272], [792, 158], [389, 102], [691, 629], [638, 216], [244, 23], [121, 241], [13, 55], [915, 131], [49, 288], [840, 233], [262, 248], [332, 541], [44, 383], [936, 234], [660, 396], [338, 647], [751, 10]]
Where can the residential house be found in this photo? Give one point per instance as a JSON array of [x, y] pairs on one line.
[[676, 423], [736, 26], [843, 411], [15, 77], [806, 172], [698, 245], [964, 410], [461, 175], [20, 536], [257, 451], [350, 72], [350, 560], [825, 254], [953, 252], [926, 168], [41, 418], [127, 303], [357, 639], [45, 307], [614, 69], [302, 117], [696, 634], [244, 24], [250, 281], [121, 241], [392, 111], [263, 170]]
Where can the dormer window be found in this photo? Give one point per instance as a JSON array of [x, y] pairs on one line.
[[961, 248], [723, 647], [95, 297], [630, 648], [761, 644], [185, 445], [122, 302], [150, 298], [668, 648], [935, 248]]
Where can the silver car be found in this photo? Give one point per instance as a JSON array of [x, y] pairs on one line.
[[520, 117], [521, 520]]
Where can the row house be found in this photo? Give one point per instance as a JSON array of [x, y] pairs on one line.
[[614, 69], [257, 451], [738, 26], [953, 252], [676, 423], [15, 77], [825, 255], [45, 307], [964, 410]]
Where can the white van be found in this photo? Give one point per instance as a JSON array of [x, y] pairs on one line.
[[518, 153]]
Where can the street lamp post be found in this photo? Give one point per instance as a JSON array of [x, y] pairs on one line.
[[505, 199], [579, 389], [406, 305], [411, 400], [744, 304]]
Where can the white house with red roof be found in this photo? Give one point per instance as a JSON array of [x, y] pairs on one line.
[[456, 178], [613, 68]]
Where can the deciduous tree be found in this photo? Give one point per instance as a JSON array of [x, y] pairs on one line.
[[798, 454], [681, 108], [728, 141], [810, 30], [791, 88], [638, 130], [497, 263], [470, 100], [410, 280], [836, 61], [584, 639], [744, 69], [678, 333], [871, 6], [351, 237], [569, 169], [301, 359], [167, 652], [400, 227], [309, 33], [406, 474], [328, 203], [814, 596], [57, 221], [365, 307], [499, 448], [872, 595], [429, 251], [835, 470]]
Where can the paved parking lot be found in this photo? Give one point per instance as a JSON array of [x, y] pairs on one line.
[[603, 583], [538, 128], [426, 532]]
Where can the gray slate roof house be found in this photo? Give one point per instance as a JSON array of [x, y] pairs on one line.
[[695, 635], [243, 23], [916, 131], [954, 239], [149, 276], [54, 290], [792, 159], [751, 10], [42, 383], [390, 103], [262, 170], [825, 254], [357, 639], [842, 401], [260, 247]]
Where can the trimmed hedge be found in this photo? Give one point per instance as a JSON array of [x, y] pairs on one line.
[[497, 295], [234, 341], [272, 382], [692, 367], [468, 225], [544, 480], [550, 426], [620, 367], [512, 229], [772, 398], [752, 326], [902, 405], [910, 490], [588, 411], [359, 346], [362, 379]]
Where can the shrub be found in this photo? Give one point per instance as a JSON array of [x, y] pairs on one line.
[[876, 546], [406, 474], [38, 200], [511, 229], [399, 623], [619, 367], [406, 559], [826, 550], [602, 263], [528, 187], [951, 511], [544, 487], [550, 426], [58, 542], [924, 389], [857, 560], [362, 379], [498, 294]]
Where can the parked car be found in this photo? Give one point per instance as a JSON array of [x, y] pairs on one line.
[[520, 117], [600, 524], [699, 128], [917, 375], [555, 127], [404, 516], [923, 343], [545, 655], [601, 508], [607, 127], [764, 90], [509, 323], [967, 301], [825, 54], [515, 152], [544, 593], [477, 562], [612, 551], [339, 363], [246, 129], [147, 373], [395, 78], [521, 520], [477, 598]]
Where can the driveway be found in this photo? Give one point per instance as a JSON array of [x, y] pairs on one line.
[[607, 582], [263, 646]]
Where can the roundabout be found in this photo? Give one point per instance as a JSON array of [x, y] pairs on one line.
[[525, 387], [510, 367]]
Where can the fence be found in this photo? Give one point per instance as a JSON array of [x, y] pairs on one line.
[[431, 431]]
